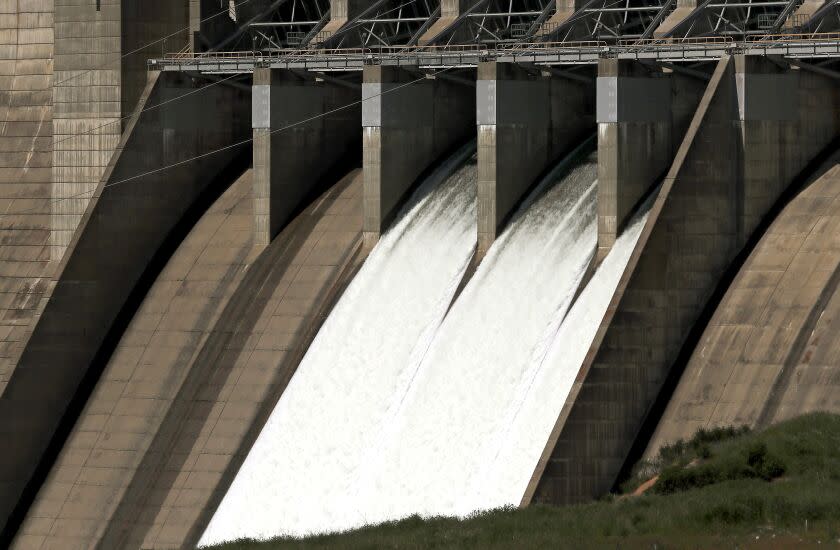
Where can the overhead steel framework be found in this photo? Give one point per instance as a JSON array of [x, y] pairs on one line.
[[739, 18], [302, 28]]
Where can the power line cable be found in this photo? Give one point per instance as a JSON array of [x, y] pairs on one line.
[[92, 193], [126, 117], [158, 41], [146, 109]]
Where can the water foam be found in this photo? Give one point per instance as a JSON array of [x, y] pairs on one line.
[[552, 379], [452, 422]]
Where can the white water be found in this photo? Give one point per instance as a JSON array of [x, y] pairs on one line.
[[455, 418], [391, 412], [297, 478], [552, 379]]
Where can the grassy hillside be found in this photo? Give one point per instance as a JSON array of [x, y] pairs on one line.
[[725, 488]]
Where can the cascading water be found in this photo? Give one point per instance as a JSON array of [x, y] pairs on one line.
[[297, 478], [392, 412], [434, 454], [552, 378]]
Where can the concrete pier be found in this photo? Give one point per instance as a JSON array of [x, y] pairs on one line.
[[710, 201], [304, 127], [526, 120], [643, 113], [409, 121]]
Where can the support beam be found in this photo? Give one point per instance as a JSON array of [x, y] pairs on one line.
[[343, 12], [409, 122], [304, 128], [564, 10], [450, 11], [525, 122], [685, 9]]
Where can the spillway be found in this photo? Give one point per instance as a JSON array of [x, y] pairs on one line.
[[437, 452], [397, 411], [298, 476], [530, 424], [488, 392]]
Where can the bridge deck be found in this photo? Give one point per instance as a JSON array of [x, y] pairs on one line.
[[543, 53]]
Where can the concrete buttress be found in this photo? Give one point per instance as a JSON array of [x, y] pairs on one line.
[[710, 202]]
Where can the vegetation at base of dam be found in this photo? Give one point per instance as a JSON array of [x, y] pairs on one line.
[[779, 487]]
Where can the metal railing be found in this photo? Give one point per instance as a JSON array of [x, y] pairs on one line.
[[469, 54]]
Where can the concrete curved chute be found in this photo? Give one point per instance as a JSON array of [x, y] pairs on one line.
[[137, 209], [196, 374], [769, 351]]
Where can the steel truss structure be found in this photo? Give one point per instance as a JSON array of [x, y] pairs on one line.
[[272, 26]]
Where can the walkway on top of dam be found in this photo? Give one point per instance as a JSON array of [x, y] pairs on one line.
[[469, 55]]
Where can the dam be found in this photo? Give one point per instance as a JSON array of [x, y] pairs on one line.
[[287, 267]]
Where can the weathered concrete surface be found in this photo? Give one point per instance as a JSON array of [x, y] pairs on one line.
[[129, 217], [26, 76], [770, 352], [100, 73], [292, 158], [409, 122], [709, 204], [196, 375], [526, 120], [642, 113], [87, 108]]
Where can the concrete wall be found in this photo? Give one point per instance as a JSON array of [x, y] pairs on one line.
[[709, 202], [290, 157], [770, 352], [127, 221], [196, 374], [26, 77], [87, 105], [526, 120], [409, 122], [100, 72], [643, 113]]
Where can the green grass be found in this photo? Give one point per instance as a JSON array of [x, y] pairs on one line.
[[717, 490]]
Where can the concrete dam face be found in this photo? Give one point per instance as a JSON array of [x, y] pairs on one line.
[[284, 268]]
